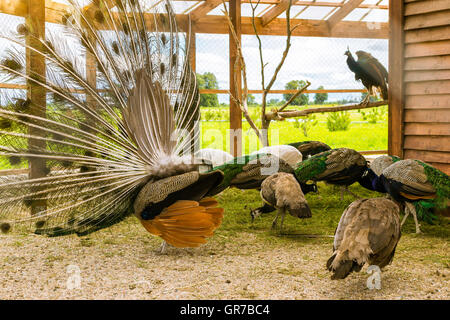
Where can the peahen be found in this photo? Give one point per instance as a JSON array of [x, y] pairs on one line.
[[420, 186], [249, 171], [341, 167], [117, 148], [310, 148], [368, 232], [370, 71], [214, 157], [371, 178], [283, 192]]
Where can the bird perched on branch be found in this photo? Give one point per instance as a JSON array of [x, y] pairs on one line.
[[341, 167], [420, 186], [96, 158], [310, 148], [371, 178], [370, 71], [368, 232], [283, 192]]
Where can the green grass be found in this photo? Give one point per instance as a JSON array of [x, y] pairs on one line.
[[359, 136], [326, 208]]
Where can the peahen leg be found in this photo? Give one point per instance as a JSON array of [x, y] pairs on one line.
[[283, 213], [406, 215], [275, 221], [163, 248], [345, 189], [412, 209]]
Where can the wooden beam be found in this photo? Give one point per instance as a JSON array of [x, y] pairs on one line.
[[273, 13], [342, 12], [218, 24], [35, 21], [396, 85], [235, 82], [203, 9], [306, 28]]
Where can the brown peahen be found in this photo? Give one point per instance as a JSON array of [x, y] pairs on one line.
[[368, 232]]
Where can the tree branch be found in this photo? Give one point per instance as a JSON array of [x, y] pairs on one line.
[[275, 115], [295, 95]]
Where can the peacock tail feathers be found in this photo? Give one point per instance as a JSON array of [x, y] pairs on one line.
[[441, 182], [99, 141]]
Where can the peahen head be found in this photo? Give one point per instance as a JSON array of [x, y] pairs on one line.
[[348, 53]]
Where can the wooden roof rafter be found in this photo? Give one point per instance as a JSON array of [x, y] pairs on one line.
[[342, 12]]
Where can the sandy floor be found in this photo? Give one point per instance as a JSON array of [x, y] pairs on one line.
[[126, 265]]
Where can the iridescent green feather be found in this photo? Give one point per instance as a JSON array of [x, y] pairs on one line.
[[308, 169], [441, 182]]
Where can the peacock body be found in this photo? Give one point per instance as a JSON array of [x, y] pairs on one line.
[[310, 148], [370, 71], [341, 166], [106, 149], [371, 178], [422, 187]]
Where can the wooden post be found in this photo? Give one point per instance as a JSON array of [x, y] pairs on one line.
[[396, 87], [192, 46], [35, 21], [235, 81]]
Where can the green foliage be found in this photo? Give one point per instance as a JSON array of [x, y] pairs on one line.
[[302, 99], [213, 114], [306, 123], [320, 98], [251, 101], [374, 115], [208, 81], [338, 121]]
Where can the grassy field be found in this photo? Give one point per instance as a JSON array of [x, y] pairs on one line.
[[243, 260]]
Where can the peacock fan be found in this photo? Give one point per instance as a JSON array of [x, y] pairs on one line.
[[113, 151]]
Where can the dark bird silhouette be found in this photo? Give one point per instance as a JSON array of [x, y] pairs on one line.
[[420, 186], [370, 71], [368, 232], [283, 192]]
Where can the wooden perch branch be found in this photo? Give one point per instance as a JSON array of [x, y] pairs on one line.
[[295, 95], [276, 115]]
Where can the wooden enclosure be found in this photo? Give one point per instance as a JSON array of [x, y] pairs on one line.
[[419, 59], [419, 80]]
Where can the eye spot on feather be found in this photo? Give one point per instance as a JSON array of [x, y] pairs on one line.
[[14, 160], [5, 123], [99, 17], [46, 170], [66, 163], [84, 169], [65, 19], [22, 29], [89, 154], [22, 105], [12, 64], [40, 224], [28, 202], [115, 47], [5, 227], [162, 68], [174, 59], [126, 28], [163, 39]]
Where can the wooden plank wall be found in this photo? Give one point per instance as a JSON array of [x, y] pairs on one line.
[[426, 79]]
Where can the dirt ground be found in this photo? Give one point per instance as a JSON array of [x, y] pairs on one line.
[[123, 263]]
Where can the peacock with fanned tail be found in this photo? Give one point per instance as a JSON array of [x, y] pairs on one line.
[[112, 151]]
